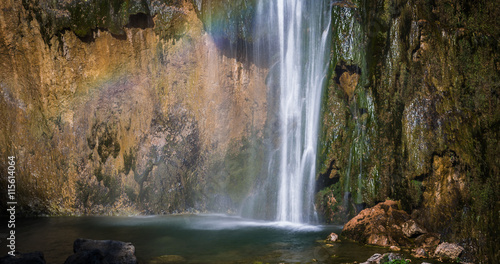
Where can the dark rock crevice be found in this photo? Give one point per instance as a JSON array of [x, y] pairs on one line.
[[140, 20], [329, 178]]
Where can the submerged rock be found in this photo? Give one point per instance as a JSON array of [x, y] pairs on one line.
[[21, 258], [379, 225], [170, 259], [101, 252]]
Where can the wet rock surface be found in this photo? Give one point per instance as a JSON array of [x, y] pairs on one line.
[[412, 229], [385, 225], [24, 258], [380, 225], [102, 251], [448, 251], [332, 238], [125, 108], [425, 100], [428, 241]]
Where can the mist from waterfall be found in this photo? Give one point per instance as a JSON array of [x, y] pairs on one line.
[[299, 40]]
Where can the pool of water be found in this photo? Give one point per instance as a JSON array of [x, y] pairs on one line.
[[197, 238]]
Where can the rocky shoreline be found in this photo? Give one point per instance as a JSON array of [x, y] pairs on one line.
[[386, 225]]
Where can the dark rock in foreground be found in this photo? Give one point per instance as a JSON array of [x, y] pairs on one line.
[[24, 258], [102, 252]]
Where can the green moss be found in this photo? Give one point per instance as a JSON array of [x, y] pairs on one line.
[[415, 191], [429, 76], [129, 161], [131, 194], [329, 203], [229, 20]]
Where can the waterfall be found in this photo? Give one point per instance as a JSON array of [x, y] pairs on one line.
[[299, 33]]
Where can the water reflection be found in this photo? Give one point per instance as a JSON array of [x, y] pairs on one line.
[[197, 238]]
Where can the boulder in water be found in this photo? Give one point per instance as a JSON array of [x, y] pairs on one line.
[[379, 225], [102, 252], [24, 258]]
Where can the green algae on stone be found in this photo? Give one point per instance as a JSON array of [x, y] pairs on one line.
[[229, 20], [431, 70]]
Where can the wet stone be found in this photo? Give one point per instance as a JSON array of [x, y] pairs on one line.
[[101, 252], [22, 258]]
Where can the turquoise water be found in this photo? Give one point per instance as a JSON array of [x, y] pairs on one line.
[[197, 238]]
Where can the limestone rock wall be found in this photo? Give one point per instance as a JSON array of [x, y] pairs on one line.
[[412, 114], [123, 107]]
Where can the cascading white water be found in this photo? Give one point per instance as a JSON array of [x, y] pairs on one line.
[[302, 33]]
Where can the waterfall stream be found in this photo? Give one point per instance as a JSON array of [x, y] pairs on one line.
[[300, 34]]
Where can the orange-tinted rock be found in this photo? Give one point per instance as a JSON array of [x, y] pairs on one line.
[[379, 225], [348, 82]]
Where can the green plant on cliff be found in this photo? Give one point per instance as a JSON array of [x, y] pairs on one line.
[[229, 20], [329, 204], [432, 68]]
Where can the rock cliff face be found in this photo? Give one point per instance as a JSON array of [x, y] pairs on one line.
[[118, 107], [160, 106], [412, 113]]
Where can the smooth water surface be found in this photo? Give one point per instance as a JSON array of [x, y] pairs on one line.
[[197, 238]]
